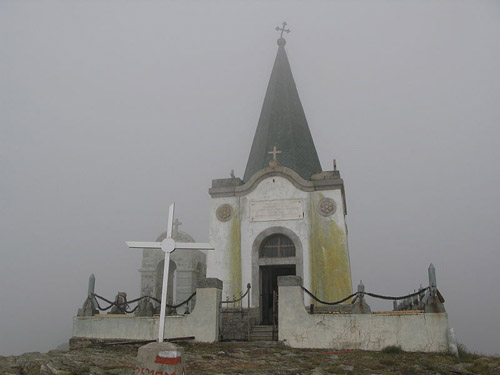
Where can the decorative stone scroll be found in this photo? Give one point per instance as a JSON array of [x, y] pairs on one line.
[[327, 207], [224, 212]]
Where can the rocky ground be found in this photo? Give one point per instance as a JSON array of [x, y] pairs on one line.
[[249, 359]]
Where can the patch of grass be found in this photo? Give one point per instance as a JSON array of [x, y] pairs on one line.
[[375, 366], [480, 368], [334, 370], [387, 362], [317, 361], [428, 366], [407, 370], [463, 351], [464, 354], [393, 349]]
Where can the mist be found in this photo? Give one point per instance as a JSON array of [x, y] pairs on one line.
[[110, 111]]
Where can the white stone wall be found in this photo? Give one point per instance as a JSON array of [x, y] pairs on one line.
[[417, 332]]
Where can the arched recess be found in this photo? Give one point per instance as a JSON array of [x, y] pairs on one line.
[[171, 281], [259, 262]]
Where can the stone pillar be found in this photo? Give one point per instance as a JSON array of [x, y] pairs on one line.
[[433, 302], [290, 304], [360, 306], [206, 314], [145, 308], [89, 307], [160, 358]]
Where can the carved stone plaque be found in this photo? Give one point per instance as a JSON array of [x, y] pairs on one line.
[[282, 209], [224, 212], [327, 207]]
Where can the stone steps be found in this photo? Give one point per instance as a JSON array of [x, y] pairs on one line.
[[261, 333]]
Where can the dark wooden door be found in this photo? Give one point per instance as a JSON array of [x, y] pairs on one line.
[[269, 283]]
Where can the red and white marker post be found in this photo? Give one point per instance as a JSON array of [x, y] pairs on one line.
[[160, 359]]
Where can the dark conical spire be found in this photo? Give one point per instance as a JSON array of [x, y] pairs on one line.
[[283, 124]]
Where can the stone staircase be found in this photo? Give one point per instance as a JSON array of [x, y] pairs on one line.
[[261, 333]]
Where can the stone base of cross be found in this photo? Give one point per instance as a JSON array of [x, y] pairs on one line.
[[168, 245]]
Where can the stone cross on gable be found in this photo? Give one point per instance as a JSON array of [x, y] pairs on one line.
[[274, 153], [168, 245]]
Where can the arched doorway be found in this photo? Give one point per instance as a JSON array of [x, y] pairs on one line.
[[277, 257], [276, 251]]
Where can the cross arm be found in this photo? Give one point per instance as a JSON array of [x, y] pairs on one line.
[[143, 245], [193, 246]]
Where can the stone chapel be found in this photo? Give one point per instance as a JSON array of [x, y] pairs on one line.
[[285, 217]]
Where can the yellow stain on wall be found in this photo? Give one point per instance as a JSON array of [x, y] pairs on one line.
[[234, 251], [329, 257]]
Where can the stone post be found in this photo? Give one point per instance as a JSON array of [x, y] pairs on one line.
[[421, 298], [91, 291], [361, 289], [415, 302], [432, 279], [121, 300], [89, 307], [91, 287], [145, 308], [291, 306], [206, 313], [160, 358], [432, 301], [360, 306]]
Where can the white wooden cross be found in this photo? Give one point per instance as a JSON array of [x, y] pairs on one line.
[[168, 245]]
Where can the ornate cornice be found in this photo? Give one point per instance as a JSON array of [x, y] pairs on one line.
[[234, 187]]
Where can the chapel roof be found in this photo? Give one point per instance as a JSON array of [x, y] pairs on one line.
[[282, 124]]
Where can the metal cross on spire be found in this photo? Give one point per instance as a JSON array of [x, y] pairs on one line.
[[283, 29], [168, 245]]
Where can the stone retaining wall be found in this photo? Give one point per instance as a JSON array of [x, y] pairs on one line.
[[415, 332], [202, 323]]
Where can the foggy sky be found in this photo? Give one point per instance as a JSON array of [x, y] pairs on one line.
[[111, 110]]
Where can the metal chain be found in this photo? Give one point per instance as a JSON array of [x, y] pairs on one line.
[[396, 298], [329, 303], [238, 299], [125, 310], [368, 294]]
